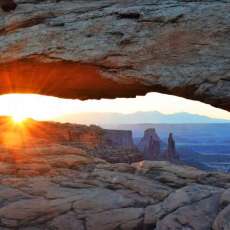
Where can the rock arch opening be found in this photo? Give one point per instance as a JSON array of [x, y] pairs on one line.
[[63, 175], [152, 127], [87, 81]]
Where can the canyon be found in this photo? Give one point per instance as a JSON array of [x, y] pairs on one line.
[[69, 176], [113, 146], [55, 184]]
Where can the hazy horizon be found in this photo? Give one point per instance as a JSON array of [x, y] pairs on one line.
[[149, 117], [50, 108]]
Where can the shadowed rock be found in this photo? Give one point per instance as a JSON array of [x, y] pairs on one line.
[[171, 147], [8, 5], [119, 138], [171, 153], [150, 145]]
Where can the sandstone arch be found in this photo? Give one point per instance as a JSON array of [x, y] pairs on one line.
[[117, 48]]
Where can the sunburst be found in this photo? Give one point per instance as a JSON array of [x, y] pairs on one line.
[[18, 118]]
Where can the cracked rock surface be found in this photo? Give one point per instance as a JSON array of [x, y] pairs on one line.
[[114, 48], [69, 189]]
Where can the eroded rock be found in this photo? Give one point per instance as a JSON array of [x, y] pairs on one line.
[[222, 221], [150, 145], [127, 218], [170, 153], [107, 49], [185, 196], [198, 215], [55, 184], [86, 192], [111, 145], [67, 221]]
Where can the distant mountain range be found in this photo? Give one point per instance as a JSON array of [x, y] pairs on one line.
[[139, 117]]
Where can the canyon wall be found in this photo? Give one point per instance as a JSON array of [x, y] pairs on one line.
[[119, 138], [116, 48], [37, 132], [111, 145]]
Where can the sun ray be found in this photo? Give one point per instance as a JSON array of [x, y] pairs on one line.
[[18, 118]]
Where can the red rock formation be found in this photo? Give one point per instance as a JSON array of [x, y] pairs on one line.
[[150, 145], [171, 153], [111, 145], [119, 139], [171, 146]]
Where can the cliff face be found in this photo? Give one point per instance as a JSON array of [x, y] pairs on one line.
[[54, 132], [111, 145], [33, 132], [150, 145], [95, 49], [170, 153], [119, 138]]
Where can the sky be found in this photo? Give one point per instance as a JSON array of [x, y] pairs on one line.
[[50, 108]]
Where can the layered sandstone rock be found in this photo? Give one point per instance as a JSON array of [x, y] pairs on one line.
[[34, 132], [150, 145], [112, 145], [114, 48], [117, 155], [119, 138]]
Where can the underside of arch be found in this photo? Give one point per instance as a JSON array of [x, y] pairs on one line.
[[107, 49]]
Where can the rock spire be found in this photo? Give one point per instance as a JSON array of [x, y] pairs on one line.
[[150, 145]]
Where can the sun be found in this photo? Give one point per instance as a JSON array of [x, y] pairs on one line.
[[18, 118]]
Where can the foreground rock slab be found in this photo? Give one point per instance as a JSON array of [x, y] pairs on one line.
[[70, 189]]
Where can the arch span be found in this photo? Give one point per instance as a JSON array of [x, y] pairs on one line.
[[95, 49]]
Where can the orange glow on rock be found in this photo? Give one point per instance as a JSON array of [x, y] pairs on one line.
[[63, 79], [14, 133]]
